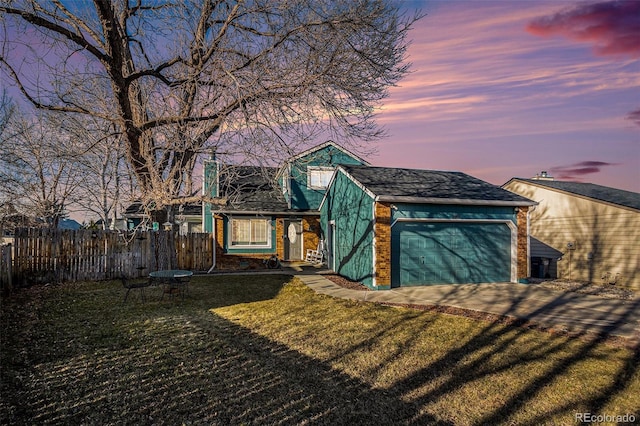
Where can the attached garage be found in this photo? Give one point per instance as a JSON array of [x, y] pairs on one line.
[[451, 252], [388, 227]]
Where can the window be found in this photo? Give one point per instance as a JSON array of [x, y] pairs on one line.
[[319, 177], [250, 232]]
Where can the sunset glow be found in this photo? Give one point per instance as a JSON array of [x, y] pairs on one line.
[[508, 89]]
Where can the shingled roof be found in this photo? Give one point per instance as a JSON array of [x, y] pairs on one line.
[[250, 188], [597, 192], [431, 186], [245, 189], [136, 209]]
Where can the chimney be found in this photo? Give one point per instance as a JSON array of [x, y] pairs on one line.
[[543, 175], [210, 178]]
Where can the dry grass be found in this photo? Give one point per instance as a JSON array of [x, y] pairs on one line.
[[267, 350]]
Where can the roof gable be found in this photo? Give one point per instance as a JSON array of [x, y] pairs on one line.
[[321, 147], [589, 190], [431, 186]]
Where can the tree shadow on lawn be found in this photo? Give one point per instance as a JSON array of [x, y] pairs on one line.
[[476, 358], [485, 354], [229, 376], [175, 366], [175, 361]]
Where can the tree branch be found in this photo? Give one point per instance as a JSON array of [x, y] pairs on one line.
[[66, 33]]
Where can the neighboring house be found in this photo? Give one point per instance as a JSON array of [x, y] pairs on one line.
[[263, 211], [9, 223], [593, 229], [69, 224], [119, 224], [188, 218], [390, 227]]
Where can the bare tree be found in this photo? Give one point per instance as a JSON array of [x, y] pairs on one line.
[[75, 162], [6, 112], [99, 158], [36, 168], [249, 78]]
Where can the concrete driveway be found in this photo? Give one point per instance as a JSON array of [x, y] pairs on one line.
[[567, 311]]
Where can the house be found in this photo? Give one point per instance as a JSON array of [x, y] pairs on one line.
[[188, 218], [594, 230], [70, 224], [13, 220], [120, 224], [385, 227], [392, 227], [263, 211]]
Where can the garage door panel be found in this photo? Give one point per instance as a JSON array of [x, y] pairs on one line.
[[415, 242], [435, 253]]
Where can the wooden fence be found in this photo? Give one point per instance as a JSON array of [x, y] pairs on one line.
[[6, 270], [50, 255]]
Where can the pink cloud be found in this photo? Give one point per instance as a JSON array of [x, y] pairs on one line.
[[613, 27], [577, 170]]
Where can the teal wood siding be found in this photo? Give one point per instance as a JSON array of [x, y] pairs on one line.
[[284, 182], [210, 185], [208, 218], [352, 210], [303, 197], [445, 211]]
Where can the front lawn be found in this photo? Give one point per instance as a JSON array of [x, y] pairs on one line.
[[267, 350]]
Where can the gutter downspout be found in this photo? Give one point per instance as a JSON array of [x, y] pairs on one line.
[[374, 247], [213, 227]]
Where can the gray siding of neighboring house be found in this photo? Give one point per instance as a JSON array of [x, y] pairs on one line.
[[600, 240]]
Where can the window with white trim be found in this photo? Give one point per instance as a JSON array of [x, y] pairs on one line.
[[318, 177], [250, 232]]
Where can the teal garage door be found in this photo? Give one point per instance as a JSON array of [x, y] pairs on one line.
[[426, 253]]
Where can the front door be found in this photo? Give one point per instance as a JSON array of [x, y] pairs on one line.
[[293, 239]]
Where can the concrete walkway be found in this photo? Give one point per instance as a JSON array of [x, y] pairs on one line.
[[568, 311]]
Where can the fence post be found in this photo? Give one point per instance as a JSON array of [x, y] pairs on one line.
[[6, 269]]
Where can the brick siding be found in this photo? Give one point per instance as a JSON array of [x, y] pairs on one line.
[[382, 233], [238, 261], [311, 237], [280, 238], [523, 252], [311, 233]]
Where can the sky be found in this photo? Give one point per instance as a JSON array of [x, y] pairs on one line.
[[510, 88], [503, 89]]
